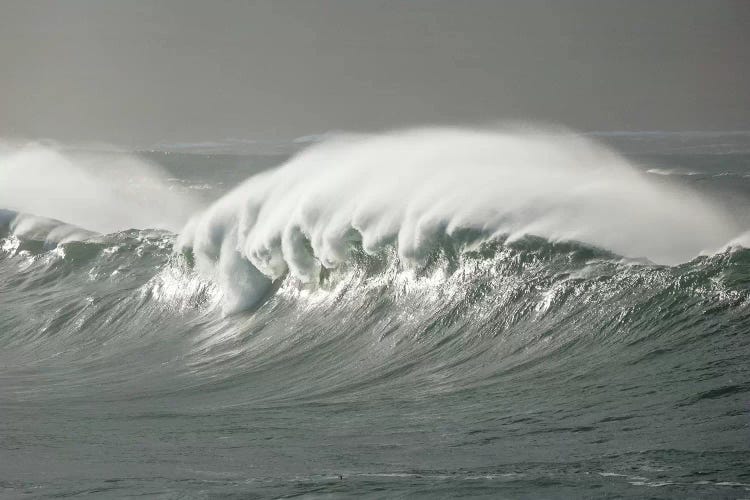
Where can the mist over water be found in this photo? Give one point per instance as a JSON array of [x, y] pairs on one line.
[[436, 312], [99, 191]]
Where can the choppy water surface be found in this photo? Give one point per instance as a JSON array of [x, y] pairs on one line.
[[257, 354]]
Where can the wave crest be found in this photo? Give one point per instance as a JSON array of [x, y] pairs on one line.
[[406, 189]]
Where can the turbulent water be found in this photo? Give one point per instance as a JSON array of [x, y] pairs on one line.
[[427, 313]]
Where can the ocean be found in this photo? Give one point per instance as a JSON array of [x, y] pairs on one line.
[[425, 313]]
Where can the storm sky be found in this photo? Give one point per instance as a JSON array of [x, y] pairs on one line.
[[136, 73]]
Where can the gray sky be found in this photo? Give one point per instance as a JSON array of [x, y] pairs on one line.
[[137, 72]]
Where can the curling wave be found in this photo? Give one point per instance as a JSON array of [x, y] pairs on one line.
[[408, 189]]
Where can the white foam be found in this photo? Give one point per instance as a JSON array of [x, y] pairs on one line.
[[407, 187]]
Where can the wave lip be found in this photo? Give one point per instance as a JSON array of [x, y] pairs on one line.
[[407, 188]]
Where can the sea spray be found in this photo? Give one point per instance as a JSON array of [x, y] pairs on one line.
[[100, 191], [407, 188]]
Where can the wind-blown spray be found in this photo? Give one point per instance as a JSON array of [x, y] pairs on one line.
[[408, 188]]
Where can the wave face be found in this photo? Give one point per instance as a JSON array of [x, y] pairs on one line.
[[502, 341]]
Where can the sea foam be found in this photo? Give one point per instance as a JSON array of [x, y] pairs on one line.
[[408, 188]]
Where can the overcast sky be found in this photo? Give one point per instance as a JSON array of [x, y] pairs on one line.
[[141, 72]]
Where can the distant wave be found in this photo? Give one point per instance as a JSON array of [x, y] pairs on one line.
[[672, 171], [102, 191], [703, 142], [407, 189]]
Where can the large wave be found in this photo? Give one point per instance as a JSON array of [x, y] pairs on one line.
[[410, 308], [409, 189]]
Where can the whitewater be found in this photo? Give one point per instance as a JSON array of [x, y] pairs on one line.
[[515, 312]]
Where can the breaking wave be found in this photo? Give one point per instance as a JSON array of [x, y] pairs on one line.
[[423, 311], [410, 189]]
